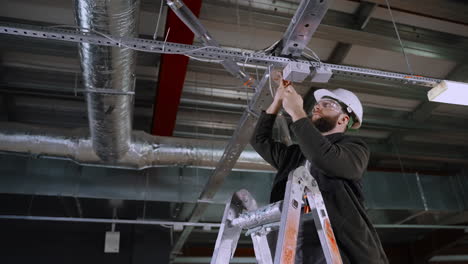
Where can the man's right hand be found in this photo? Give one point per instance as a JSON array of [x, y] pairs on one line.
[[275, 107]]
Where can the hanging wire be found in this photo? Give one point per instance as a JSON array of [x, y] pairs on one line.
[[30, 204], [212, 129], [76, 84], [399, 39], [197, 136], [272, 91], [155, 35], [256, 72], [145, 193], [399, 158], [238, 21]]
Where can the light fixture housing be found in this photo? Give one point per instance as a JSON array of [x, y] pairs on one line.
[[449, 92]]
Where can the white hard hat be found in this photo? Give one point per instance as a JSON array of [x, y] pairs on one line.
[[346, 97]]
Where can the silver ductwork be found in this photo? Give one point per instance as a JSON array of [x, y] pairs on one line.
[[109, 68], [145, 150]]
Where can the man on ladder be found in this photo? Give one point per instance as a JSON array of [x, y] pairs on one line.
[[335, 160]]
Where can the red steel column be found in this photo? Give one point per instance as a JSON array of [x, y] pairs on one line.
[[172, 71]]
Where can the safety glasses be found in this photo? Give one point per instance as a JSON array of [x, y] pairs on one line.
[[329, 104]]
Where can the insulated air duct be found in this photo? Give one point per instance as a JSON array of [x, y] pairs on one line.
[[145, 150], [108, 69]]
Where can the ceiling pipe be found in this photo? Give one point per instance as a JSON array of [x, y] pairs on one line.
[[106, 221], [145, 151], [195, 224], [108, 68]]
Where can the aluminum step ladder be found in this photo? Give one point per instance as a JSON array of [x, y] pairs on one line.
[[242, 213]]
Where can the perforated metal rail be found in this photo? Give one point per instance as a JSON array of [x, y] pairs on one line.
[[213, 53]]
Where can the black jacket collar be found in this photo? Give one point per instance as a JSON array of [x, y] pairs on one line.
[[335, 137]]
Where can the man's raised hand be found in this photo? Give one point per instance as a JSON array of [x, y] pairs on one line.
[[293, 103]]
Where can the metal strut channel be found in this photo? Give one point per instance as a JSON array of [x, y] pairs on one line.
[[204, 52], [302, 26], [305, 21], [236, 145]]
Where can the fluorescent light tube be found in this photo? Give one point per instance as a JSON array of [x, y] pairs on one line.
[[449, 92]]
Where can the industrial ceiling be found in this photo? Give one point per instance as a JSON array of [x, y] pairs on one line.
[[417, 181]]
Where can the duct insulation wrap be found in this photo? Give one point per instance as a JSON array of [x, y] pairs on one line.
[[110, 68], [145, 151], [265, 215]]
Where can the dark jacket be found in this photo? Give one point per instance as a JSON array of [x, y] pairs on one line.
[[338, 163]]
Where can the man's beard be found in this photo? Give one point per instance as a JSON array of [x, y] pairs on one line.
[[325, 124]]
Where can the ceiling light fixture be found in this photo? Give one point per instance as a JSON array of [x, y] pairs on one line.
[[449, 92]]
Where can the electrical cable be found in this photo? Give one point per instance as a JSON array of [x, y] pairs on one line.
[[165, 39], [317, 58]]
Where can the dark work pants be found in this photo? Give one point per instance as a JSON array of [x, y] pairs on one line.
[[309, 250]]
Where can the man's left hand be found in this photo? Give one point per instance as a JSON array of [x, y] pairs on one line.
[[293, 104]]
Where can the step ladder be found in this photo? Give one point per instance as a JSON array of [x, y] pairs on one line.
[[242, 213]]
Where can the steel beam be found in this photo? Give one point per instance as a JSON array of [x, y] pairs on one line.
[[453, 11], [363, 15], [172, 71], [423, 111], [459, 73], [339, 53]]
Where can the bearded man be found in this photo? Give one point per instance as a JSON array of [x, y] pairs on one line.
[[336, 161]]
